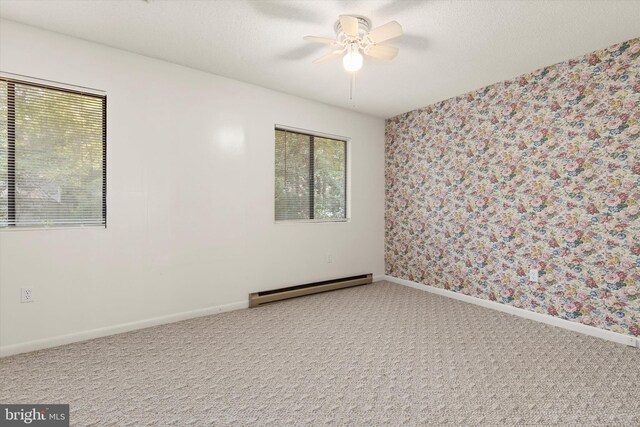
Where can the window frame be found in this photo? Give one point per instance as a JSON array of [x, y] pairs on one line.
[[11, 80], [347, 176]]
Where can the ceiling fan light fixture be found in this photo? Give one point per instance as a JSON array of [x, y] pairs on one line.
[[352, 60]]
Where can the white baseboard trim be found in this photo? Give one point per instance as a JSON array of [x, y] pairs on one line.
[[379, 278], [40, 344], [538, 317]]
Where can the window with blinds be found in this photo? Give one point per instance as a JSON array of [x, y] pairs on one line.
[[52, 156], [310, 178]]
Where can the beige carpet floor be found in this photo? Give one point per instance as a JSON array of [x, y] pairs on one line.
[[380, 354]]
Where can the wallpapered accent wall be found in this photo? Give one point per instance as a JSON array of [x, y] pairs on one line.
[[542, 171]]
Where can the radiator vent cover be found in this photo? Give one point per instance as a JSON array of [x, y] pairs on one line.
[[258, 298]]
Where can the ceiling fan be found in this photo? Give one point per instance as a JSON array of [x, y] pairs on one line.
[[355, 38]]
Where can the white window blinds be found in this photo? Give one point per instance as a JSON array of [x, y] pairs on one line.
[[310, 177], [52, 156]]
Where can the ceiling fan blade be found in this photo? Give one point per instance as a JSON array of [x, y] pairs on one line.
[[349, 25], [315, 39], [328, 57], [388, 31], [386, 53]]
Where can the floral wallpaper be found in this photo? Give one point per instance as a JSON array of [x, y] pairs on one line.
[[539, 172]]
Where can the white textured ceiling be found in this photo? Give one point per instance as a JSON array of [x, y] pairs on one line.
[[449, 47]]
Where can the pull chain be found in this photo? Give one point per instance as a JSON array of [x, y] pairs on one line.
[[352, 85]]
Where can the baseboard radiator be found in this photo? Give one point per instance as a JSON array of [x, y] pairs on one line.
[[259, 298]]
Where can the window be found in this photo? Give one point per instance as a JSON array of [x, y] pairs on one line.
[[52, 156], [311, 177]]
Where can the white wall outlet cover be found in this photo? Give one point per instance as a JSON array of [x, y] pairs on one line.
[[533, 275], [26, 295]]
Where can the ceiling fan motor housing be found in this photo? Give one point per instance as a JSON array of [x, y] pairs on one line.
[[364, 26]]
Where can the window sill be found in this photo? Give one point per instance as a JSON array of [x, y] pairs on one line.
[[312, 221], [57, 227]]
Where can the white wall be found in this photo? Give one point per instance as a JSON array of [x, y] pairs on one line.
[[189, 202]]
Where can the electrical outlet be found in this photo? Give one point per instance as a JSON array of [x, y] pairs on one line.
[[26, 295], [533, 275], [329, 259]]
